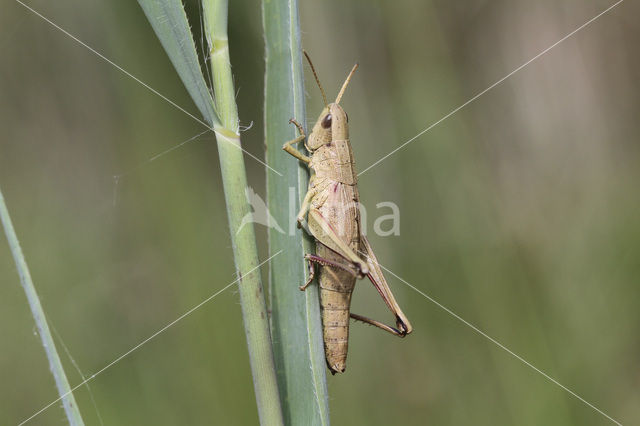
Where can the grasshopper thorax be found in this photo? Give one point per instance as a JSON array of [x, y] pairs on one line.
[[332, 125]]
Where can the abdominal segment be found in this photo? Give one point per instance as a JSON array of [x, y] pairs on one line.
[[336, 287]]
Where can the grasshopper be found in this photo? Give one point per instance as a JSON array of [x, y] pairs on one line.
[[331, 206]]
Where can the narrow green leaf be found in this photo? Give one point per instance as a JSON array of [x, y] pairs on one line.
[[295, 316], [169, 21], [64, 390]]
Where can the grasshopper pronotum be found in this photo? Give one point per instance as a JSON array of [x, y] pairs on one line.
[[333, 218]]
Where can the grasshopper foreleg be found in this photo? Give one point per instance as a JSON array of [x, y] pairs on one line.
[[289, 145], [298, 125]]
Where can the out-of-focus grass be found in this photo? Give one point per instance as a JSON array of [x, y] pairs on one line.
[[519, 213], [67, 398]]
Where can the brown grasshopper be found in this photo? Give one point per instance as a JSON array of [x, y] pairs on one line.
[[333, 219]]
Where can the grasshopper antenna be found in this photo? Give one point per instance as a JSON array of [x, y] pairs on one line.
[[346, 83], [324, 97]]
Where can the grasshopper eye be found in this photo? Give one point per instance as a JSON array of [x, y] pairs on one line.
[[326, 121]]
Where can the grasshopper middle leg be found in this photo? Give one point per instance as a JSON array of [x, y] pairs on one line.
[[305, 206]]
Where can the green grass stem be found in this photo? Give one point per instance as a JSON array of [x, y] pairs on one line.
[[169, 21], [244, 244]]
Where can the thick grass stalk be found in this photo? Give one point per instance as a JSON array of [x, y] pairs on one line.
[[64, 390], [244, 244], [295, 316], [169, 21]]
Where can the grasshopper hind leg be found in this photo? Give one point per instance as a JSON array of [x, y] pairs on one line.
[[324, 232], [385, 327], [313, 259], [380, 283]]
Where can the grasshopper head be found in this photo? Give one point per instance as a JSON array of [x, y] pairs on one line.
[[331, 125]]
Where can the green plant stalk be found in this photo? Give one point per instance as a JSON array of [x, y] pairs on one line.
[[295, 315], [64, 390], [252, 298], [169, 21]]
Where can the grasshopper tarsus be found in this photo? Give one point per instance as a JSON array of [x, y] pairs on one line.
[[307, 284], [298, 125], [312, 274]]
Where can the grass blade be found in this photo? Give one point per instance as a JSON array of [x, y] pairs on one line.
[[169, 21], [64, 390], [295, 316]]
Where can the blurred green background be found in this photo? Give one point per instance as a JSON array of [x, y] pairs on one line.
[[520, 212]]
